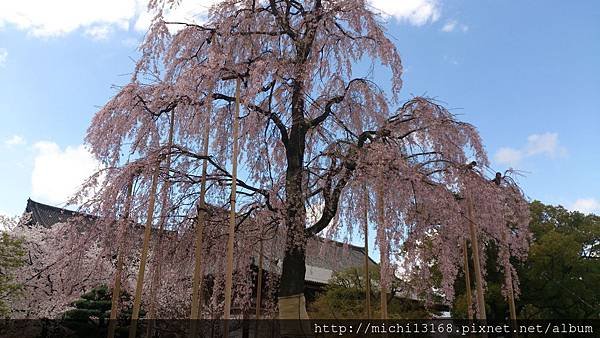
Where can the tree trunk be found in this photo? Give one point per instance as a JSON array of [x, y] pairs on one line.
[[119, 268], [291, 300]]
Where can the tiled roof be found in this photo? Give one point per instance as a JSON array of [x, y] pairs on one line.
[[321, 253], [47, 215], [334, 255]]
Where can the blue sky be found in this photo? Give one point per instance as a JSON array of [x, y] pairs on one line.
[[527, 74]]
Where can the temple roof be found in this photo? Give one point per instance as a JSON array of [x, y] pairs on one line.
[[47, 215], [321, 253]]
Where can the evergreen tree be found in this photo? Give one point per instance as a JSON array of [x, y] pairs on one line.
[[90, 313], [11, 258]]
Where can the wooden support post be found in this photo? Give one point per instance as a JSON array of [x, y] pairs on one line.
[[367, 277], [259, 283], [507, 271], [383, 255], [509, 286], [162, 220], [229, 266], [259, 279], [476, 263], [467, 281], [137, 300], [200, 221], [116, 292]]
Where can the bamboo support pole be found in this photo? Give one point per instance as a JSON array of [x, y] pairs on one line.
[[259, 285], [229, 267], [510, 287], [162, 220], [259, 278], [476, 263], [383, 258], [467, 281], [367, 277], [116, 292], [507, 271], [137, 300], [200, 220]]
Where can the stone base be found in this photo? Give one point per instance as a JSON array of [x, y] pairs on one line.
[[292, 309]]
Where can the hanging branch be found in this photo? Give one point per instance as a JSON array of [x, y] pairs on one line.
[[116, 293]]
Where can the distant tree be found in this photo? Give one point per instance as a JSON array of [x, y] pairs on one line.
[[561, 275], [91, 311], [12, 257], [344, 298]]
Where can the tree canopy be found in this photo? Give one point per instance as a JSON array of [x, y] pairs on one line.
[[316, 136]]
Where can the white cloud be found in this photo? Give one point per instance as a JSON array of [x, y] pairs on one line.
[[186, 11], [546, 144], [130, 42], [98, 32], [449, 26], [586, 206], [452, 25], [508, 156], [3, 56], [415, 12], [14, 140], [58, 173], [59, 17], [98, 18]]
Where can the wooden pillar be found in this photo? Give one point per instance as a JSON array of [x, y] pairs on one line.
[[229, 266]]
